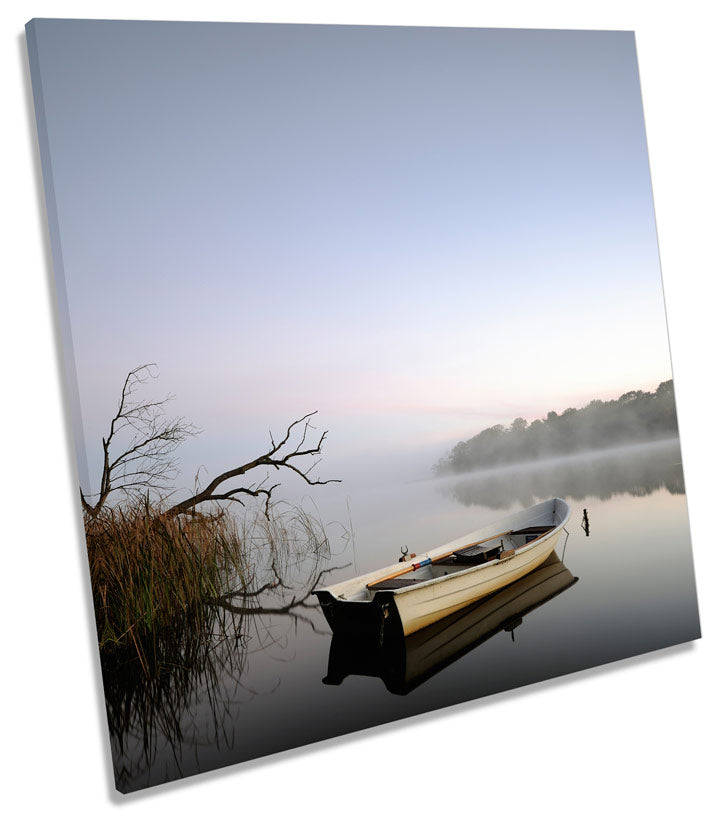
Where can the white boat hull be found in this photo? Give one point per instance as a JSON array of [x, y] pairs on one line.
[[407, 662], [355, 605], [420, 606]]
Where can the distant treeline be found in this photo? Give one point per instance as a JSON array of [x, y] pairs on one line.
[[633, 417]]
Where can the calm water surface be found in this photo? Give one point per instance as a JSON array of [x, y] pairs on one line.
[[262, 691]]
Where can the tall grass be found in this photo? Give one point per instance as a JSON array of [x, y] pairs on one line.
[[148, 569], [152, 572]]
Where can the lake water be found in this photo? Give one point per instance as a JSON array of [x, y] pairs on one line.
[[280, 681]]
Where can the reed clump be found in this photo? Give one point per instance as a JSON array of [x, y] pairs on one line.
[[153, 572], [149, 569]]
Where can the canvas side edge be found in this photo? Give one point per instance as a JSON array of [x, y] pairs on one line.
[[60, 287]]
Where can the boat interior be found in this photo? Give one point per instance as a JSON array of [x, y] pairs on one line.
[[473, 554]]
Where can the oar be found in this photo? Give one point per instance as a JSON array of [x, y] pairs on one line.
[[429, 560]]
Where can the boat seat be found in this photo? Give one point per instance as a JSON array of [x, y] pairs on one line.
[[480, 553], [393, 583], [533, 530], [481, 557]]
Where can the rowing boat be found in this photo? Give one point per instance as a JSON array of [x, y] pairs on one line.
[[404, 663], [411, 595]]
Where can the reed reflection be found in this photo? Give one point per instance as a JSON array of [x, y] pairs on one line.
[[178, 692]]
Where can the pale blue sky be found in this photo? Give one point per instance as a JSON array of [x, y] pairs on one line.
[[418, 232]]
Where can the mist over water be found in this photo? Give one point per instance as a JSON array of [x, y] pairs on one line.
[[636, 470]]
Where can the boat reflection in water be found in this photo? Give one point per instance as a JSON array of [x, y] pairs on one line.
[[403, 663]]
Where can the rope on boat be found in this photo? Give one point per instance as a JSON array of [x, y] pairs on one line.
[[567, 535]]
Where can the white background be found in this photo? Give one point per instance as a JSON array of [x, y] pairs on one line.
[[637, 737]]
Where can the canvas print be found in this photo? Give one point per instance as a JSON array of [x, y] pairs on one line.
[[367, 367]]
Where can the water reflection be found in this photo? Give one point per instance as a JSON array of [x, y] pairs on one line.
[[162, 716], [404, 663], [174, 696], [249, 684], [636, 471]]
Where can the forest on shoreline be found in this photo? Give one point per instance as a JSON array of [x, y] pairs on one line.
[[634, 417]]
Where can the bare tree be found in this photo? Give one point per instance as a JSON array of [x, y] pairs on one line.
[[148, 439], [146, 463], [281, 455]]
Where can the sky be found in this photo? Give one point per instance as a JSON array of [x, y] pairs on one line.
[[418, 232]]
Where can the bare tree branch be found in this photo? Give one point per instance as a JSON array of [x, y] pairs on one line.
[[138, 449], [274, 458], [151, 442]]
